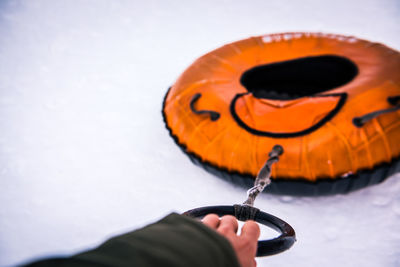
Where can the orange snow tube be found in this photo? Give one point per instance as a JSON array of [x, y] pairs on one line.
[[331, 101]]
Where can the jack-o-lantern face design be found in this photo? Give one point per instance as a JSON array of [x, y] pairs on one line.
[[330, 101]]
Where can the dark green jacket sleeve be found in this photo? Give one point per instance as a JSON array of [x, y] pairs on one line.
[[176, 240]]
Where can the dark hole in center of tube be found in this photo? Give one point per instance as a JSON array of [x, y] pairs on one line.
[[299, 77]]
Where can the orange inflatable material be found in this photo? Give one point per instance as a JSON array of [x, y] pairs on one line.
[[331, 101]]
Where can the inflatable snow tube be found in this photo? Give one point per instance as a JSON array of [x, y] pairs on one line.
[[331, 101]]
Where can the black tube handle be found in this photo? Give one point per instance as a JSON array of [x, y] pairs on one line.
[[393, 100], [213, 114], [244, 212]]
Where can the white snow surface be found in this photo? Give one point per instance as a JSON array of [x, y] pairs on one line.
[[84, 154]]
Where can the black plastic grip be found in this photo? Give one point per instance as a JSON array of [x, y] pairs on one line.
[[265, 247]]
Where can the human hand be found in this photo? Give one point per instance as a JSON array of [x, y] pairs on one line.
[[245, 244]]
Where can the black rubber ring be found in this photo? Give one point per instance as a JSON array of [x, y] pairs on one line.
[[265, 247]]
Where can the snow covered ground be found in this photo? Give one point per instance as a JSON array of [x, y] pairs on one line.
[[84, 154]]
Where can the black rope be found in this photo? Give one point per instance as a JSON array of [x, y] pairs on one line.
[[213, 115], [393, 100]]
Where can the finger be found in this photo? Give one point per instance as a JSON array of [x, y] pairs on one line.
[[228, 224], [211, 220], [250, 230]]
